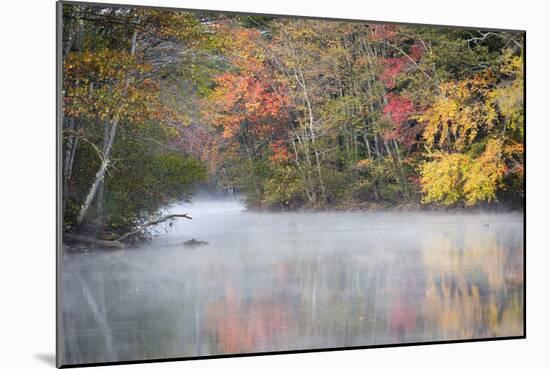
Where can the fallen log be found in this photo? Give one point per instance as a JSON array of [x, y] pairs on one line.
[[152, 222], [117, 243], [193, 243], [93, 241]]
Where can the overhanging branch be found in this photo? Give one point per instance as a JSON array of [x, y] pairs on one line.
[[153, 222]]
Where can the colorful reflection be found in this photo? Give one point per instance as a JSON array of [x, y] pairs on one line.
[[277, 282]]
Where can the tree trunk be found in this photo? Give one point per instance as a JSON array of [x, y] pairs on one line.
[[398, 176], [366, 139], [101, 189], [305, 149], [100, 173], [312, 134], [68, 159], [71, 31], [400, 162], [302, 173], [106, 155], [75, 30]]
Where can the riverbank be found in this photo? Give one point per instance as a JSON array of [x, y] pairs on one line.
[[73, 242]]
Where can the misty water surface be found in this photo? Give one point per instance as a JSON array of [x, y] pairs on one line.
[[288, 281]]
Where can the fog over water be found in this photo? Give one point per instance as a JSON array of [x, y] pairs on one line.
[[290, 281]]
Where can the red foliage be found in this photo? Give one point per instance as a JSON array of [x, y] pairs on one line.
[[398, 108], [395, 65], [392, 67], [416, 51], [405, 130]]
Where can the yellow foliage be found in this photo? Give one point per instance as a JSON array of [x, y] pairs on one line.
[[457, 115], [102, 84], [451, 298], [484, 175], [442, 179], [363, 164], [451, 178]]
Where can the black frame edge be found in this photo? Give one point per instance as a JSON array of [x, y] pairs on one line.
[[59, 215], [308, 351], [58, 174]]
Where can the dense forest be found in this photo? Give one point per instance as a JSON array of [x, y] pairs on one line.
[[289, 113]]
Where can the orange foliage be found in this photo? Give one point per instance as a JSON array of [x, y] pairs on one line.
[[248, 100], [280, 152], [239, 98]]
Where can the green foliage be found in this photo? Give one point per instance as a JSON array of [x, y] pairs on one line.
[[377, 182], [508, 96], [284, 189], [250, 177], [300, 113], [120, 114], [143, 179], [254, 21], [450, 54], [163, 177]]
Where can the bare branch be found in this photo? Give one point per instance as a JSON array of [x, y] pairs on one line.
[[153, 222]]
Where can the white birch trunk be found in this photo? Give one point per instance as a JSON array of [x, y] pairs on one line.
[[100, 175]]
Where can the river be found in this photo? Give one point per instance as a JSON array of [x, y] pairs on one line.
[[292, 281]]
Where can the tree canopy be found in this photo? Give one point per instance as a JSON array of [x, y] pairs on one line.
[[290, 113]]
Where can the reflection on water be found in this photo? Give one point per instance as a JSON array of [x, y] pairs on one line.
[[271, 282]]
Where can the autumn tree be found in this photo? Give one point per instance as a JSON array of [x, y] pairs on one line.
[[289, 113], [249, 106], [471, 133], [112, 82]]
